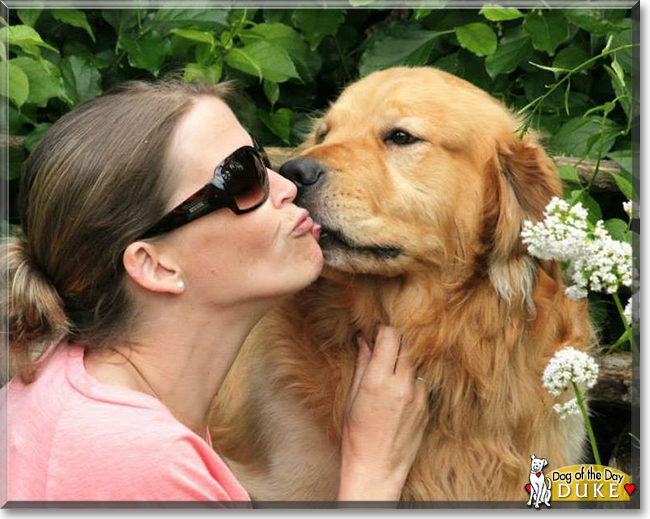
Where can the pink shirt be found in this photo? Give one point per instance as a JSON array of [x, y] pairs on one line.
[[72, 438]]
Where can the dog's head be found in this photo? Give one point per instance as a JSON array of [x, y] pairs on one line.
[[537, 464], [413, 168]]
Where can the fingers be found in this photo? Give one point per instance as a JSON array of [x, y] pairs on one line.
[[385, 352], [363, 358]]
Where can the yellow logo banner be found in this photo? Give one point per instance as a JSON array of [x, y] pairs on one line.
[[590, 483]]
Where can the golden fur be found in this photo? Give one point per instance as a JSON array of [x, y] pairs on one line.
[[479, 316]]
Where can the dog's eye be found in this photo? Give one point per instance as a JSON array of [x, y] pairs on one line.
[[401, 138]]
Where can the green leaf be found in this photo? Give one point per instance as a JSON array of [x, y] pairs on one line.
[[496, 13], [278, 122], [572, 138], [625, 56], [29, 16], [26, 38], [570, 57], [622, 88], [17, 83], [32, 138], [264, 60], [194, 35], [209, 74], [193, 72], [184, 17], [121, 20], [308, 63], [421, 13], [44, 79], [595, 213], [569, 174], [591, 20], [617, 228], [548, 30], [146, 52], [514, 48], [623, 158], [397, 45], [75, 18], [478, 38], [271, 91], [315, 24], [623, 184], [81, 80]]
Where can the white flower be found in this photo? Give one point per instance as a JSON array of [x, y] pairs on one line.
[[597, 261], [560, 235], [604, 264], [627, 206], [569, 365], [568, 408], [576, 292], [628, 313]]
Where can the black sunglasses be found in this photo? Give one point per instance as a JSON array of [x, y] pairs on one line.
[[240, 183]]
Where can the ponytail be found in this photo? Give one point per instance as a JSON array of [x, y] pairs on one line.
[[35, 312]]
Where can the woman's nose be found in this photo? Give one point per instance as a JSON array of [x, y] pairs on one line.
[[285, 190]]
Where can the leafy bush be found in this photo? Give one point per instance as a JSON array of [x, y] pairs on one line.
[[568, 71]]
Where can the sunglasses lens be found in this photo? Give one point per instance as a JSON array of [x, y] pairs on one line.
[[246, 179]]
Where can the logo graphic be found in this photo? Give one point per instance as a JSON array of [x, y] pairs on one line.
[[537, 486]]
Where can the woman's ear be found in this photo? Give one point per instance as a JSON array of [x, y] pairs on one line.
[[152, 269]]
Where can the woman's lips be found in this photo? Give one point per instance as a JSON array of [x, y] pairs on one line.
[[303, 225], [315, 231], [306, 224]]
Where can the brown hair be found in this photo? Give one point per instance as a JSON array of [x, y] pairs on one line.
[[93, 184]]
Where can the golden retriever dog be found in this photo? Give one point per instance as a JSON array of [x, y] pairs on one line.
[[421, 182]]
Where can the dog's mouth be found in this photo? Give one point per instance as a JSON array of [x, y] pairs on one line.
[[335, 239]]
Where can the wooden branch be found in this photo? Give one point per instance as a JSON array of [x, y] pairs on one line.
[[614, 384], [603, 181]]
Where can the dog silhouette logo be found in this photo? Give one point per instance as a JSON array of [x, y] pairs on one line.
[[537, 486]]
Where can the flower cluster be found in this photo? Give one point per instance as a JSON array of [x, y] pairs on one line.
[[569, 365], [597, 261], [568, 408], [627, 206], [604, 263], [560, 235]]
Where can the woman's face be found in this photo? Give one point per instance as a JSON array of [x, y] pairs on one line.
[[227, 258]]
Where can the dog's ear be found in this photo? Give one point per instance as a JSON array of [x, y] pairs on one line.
[[532, 456], [545, 462], [521, 181]]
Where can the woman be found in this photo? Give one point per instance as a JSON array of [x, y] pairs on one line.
[[154, 238]]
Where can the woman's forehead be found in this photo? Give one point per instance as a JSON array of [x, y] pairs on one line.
[[206, 135]]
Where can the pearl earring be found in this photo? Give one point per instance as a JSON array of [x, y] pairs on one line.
[[181, 285]]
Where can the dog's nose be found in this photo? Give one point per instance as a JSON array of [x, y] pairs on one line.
[[306, 173]]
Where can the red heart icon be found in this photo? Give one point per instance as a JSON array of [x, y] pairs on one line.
[[528, 487], [538, 474], [630, 489]]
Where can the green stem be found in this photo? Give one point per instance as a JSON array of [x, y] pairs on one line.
[[590, 431], [628, 328], [536, 103]]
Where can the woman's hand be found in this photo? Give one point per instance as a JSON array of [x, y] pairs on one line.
[[385, 417]]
